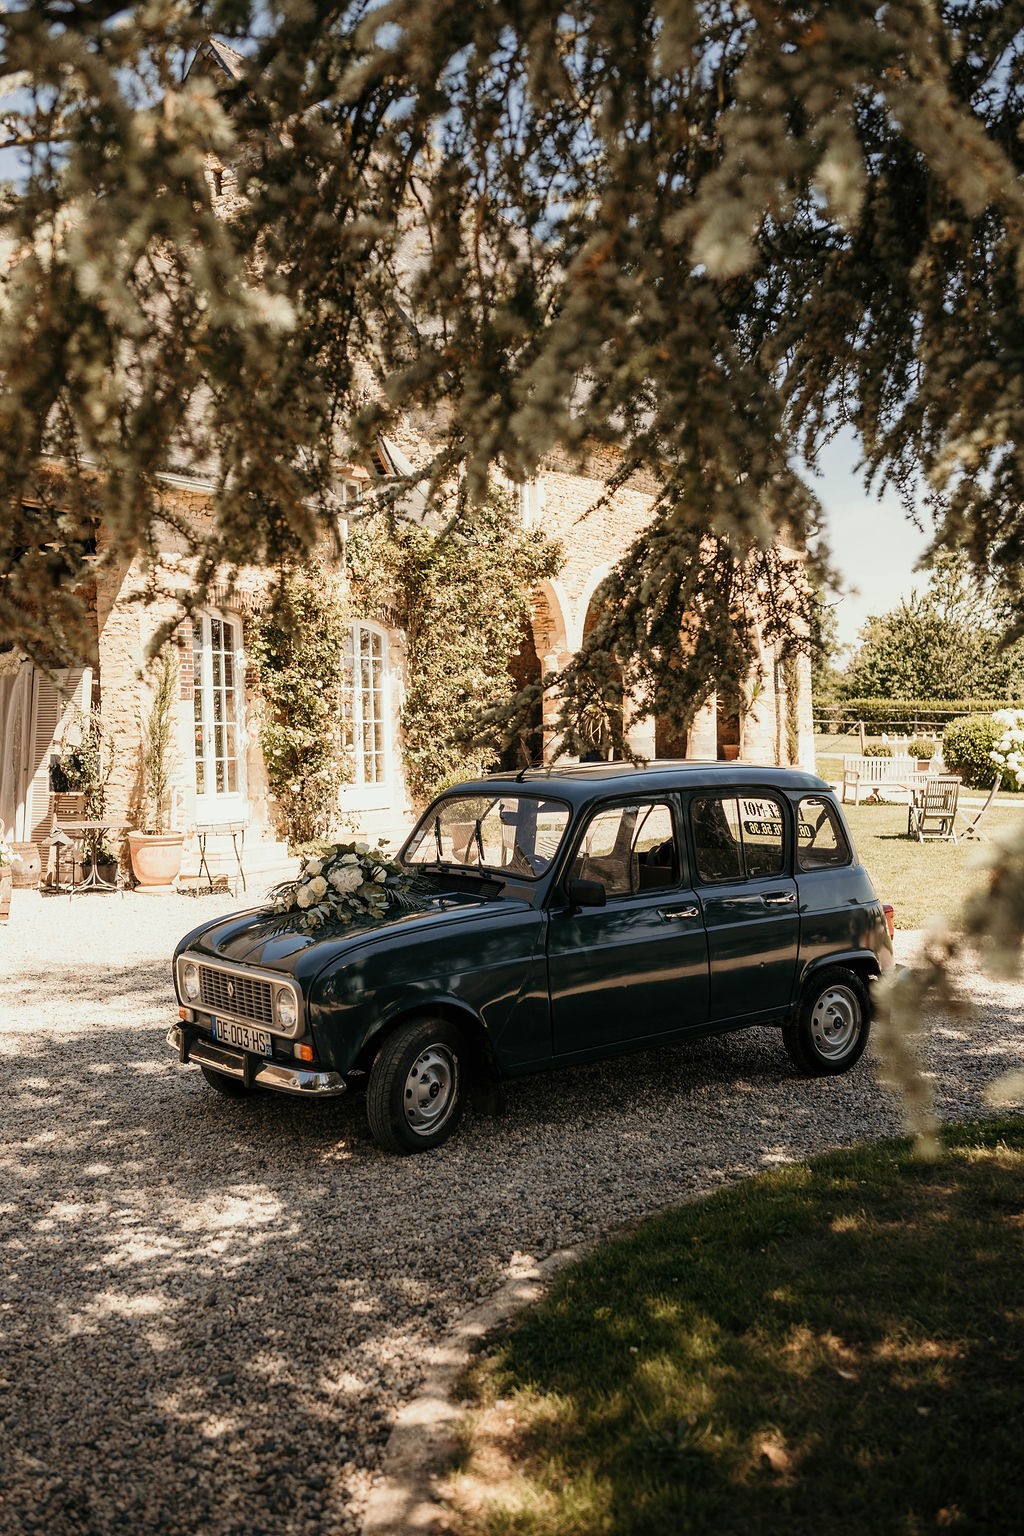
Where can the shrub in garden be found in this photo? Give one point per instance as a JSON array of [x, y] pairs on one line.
[[922, 747], [967, 746], [878, 749], [1008, 752]]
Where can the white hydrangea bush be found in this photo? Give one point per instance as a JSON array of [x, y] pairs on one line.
[[1008, 752]]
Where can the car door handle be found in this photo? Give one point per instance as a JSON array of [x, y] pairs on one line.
[[673, 914], [786, 899]]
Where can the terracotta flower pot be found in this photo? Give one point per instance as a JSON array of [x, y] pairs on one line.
[[156, 856]]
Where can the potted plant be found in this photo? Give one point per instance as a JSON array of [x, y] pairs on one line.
[[80, 767], [6, 875], [922, 750], [156, 850]]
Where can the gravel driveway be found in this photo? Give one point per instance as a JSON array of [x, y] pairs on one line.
[[210, 1311]]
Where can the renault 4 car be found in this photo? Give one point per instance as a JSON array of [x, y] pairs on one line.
[[564, 915]]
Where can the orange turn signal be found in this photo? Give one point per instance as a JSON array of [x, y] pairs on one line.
[[304, 1052], [186, 1014]]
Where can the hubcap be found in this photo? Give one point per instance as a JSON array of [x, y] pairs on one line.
[[836, 1022], [431, 1089]]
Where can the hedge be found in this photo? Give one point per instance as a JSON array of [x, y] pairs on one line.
[[902, 716], [966, 745]]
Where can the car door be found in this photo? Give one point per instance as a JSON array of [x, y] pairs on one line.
[[636, 968], [743, 875]]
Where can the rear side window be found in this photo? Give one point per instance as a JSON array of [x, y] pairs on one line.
[[821, 841], [738, 838]]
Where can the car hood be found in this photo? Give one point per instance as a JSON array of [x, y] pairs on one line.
[[276, 942]]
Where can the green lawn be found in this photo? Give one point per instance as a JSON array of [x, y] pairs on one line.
[[921, 879], [832, 1347]]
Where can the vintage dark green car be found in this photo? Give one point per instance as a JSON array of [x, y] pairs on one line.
[[564, 915]]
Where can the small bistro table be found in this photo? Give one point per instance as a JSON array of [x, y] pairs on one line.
[[91, 830], [233, 829]]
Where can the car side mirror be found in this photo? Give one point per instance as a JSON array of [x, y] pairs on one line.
[[585, 893]]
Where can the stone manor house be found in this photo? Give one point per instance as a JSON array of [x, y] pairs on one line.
[[217, 773]]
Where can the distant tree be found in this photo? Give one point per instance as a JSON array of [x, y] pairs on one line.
[[696, 230], [945, 642]]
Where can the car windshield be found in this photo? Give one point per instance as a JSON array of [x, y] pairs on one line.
[[512, 834]]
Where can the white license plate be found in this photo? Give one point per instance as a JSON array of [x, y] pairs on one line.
[[243, 1036]]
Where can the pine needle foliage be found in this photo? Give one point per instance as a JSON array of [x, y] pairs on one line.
[[694, 230]]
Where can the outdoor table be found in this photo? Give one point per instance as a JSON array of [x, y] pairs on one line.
[[90, 829], [233, 829]]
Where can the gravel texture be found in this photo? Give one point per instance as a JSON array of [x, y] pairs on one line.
[[210, 1311]]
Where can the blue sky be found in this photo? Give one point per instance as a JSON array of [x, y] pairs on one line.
[[875, 546]]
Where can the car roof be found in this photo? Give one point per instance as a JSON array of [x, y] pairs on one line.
[[579, 782]]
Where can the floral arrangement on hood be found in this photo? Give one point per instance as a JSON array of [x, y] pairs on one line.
[[1008, 752], [345, 881]]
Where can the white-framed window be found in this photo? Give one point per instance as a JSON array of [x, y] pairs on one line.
[[218, 704], [365, 722]]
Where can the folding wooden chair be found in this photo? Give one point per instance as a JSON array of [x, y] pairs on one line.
[[971, 829], [933, 812]]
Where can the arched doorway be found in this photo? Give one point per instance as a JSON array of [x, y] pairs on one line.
[[602, 721], [527, 750], [669, 740], [728, 727]]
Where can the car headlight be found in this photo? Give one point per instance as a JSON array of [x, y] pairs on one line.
[[287, 1009], [190, 980]]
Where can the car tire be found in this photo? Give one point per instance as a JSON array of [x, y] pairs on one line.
[[416, 1092], [230, 1087], [833, 1024]]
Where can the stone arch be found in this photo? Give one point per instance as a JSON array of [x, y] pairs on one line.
[[580, 627], [604, 722], [542, 650]]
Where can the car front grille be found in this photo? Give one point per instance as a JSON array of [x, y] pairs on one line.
[[235, 993]]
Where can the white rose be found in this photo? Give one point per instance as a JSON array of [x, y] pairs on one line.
[[318, 887], [380, 876], [349, 858], [313, 867], [303, 897]]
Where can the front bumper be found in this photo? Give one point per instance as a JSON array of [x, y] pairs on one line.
[[191, 1046]]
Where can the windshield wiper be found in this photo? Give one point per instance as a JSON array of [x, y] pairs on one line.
[[437, 839], [479, 839]]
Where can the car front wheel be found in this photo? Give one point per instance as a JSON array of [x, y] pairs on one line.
[[833, 1024], [416, 1092]]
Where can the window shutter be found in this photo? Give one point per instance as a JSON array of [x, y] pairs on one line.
[[56, 695]]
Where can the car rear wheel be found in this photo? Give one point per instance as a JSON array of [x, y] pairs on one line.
[[833, 1024], [416, 1092], [230, 1087]]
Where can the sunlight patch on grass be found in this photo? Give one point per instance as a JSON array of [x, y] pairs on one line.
[[795, 1353]]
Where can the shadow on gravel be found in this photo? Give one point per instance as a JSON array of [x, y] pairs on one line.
[[209, 1310]]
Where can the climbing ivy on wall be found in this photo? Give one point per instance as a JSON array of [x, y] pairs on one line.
[[295, 649], [791, 678], [462, 596]]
